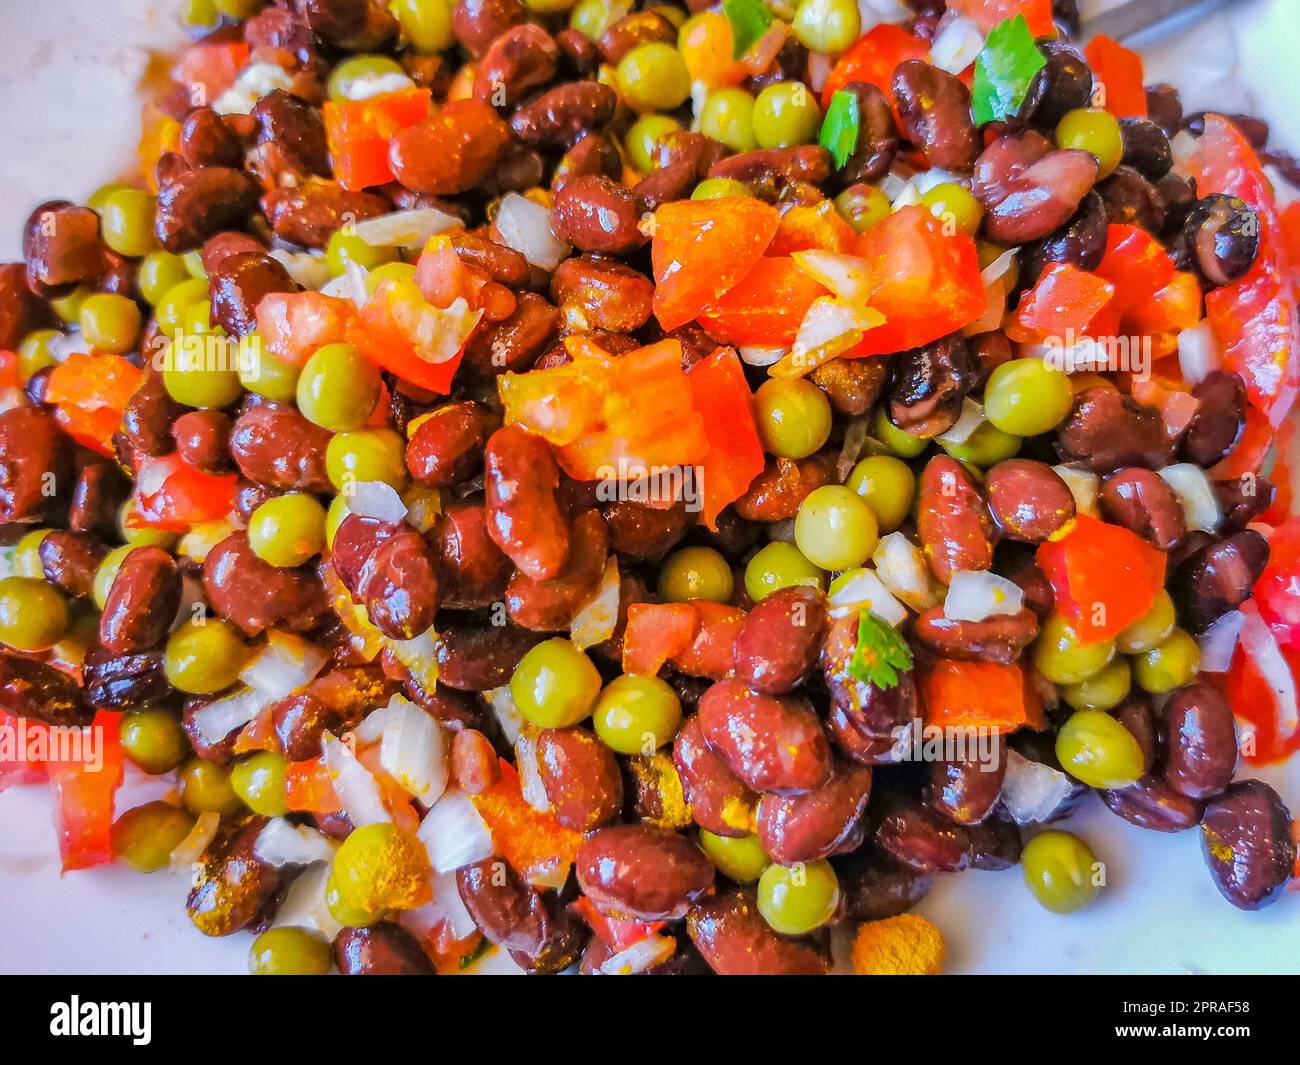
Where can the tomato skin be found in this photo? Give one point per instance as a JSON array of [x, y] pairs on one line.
[[721, 396], [389, 328], [1136, 264], [874, 58], [765, 308], [359, 131], [84, 790], [1065, 299], [184, 496], [1119, 71], [655, 633]]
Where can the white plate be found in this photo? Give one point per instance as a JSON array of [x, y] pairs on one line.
[[68, 123]]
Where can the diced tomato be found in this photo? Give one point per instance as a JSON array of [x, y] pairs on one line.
[[988, 13], [979, 694], [706, 45], [1117, 73], [1254, 319], [89, 393], [1277, 592], [401, 331], [1104, 576], [30, 768], [710, 652], [1286, 466], [449, 954], [309, 787], [721, 397], [396, 799], [925, 281], [84, 788], [443, 277], [1136, 264], [821, 227], [1253, 700], [358, 133], [874, 58], [208, 68], [294, 325], [258, 735], [616, 933], [1289, 222], [701, 248], [655, 633], [1064, 301], [171, 494], [532, 842], [765, 308], [1171, 309]]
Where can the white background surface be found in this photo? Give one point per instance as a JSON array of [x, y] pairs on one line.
[[68, 123]]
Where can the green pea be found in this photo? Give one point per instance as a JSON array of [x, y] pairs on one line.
[[695, 573], [637, 714], [362, 455], [290, 952], [835, 528], [159, 273], [591, 17], [346, 247], [171, 308], [34, 352], [793, 416], [779, 565], [643, 135], [240, 9], [126, 223], [719, 188], [343, 910], [741, 858], [1060, 871], [1095, 748], [1104, 691], [797, 899], [893, 439], [785, 115], [259, 780], [1095, 130], [27, 555], [145, 836], [888, 485], [33, 615], [199, 14], [139, 535], [1151, 628], [154, 740], [195, 376], [193, 261], [555, 685], [986, 446], [204, 655], [389, 271], [351, 79], [205, 788], [287, 530], [653, 77], [97, 199], [425, 23], [338, 510], [953, 205], [107, 573], [862, 206], [1026, 397], [196, 319], [1059, 656], [68, 307], [1170, 664], [728, 116], [265, 374], [548, 7], [380, 868], [110, 323], [338, 388], [827, 27]]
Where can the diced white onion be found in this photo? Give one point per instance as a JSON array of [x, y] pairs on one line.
[[1261, 647], [1084, 486], [856, 434], [902, 569], [414, 751], [454, 833], [999, 266], [446, 908], [597, 618], [368, 86], [191, 848], [1183, 145], [909, 195], [640, 956], [64, 344], [1219, 642], [304, 904], [419, 655], [976, 595], [1196, 494], [376, 499], [203, 537], [526, 227], [355, 786], [307, 269], [829, 327], [552, 874], [819, 69], [531, 785], [847, 276], [406, 229], [874, 12], [255, 81], [893, 183], [972, 416], [762, 356], [507, 714], [1198, 352], [957, 45], [423, 507], [284, 664], [281, 843], [349, 285], [221, 717], [1032, 791], [861, 589], [371, 729]]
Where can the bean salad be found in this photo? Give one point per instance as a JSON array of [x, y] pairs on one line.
[[648, 485]]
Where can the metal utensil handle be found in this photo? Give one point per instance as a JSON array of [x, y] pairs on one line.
[[1132, 18]]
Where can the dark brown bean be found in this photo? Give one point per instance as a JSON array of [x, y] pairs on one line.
[[274, 445], [549, 605], [1246, 840], [1106, 429], [775, 494], [203, 440], [21, 310], [595, 293], [310, 213], [291, 137], [31, 689], [97, 495], [877, 136], [642, 27], [994, 844], [1219, 420], [35, 464], [1243, 499], [874, 711], [1146, 148], [237, 285], [397, 582], [473, 569], [767, 170], [1143, 502], [927, 386], [852, 385], [335, 701], [1065, 83], [735, 940], [142, 602], [1222, 235], [450, 152], [772, 744], [1000, 638], [217, 249], [511, 345], [206, 140], [579, 56], [149, 413], [234, 885], [1200, 741], [124, 682], [447, 446], [508, 911], [780, 640], [934, 107], [477, 658], [875, 886], [523, 518], [1028, 499], [559, 116], [254, 595], [61, 247], [477, 23], [522, 59], [70, 559], [383, 949], [1165, 107], [953, 523], [966, 790], [822, 822], [592, 155], [1130, 199], [200, 203], [596, 214], [720, 801], [921, 838], [504, 265], [581, 778], [1079, 242], [647, 873], [1218, 578]]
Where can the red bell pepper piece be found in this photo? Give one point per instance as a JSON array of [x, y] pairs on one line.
[[1254, 318], [209, 68], [1136, 264], [711, 650], [1171, 309], [84, 788], [701, 248], [925, 281], [821, 227], [529, 840], [309, 787], [89, 393], [1117, 76], [1277, 592], [358, 133], [1104, 576], [988, 13], [721, 396], [171, 494], [979, 694], [615, 932], [1064, 301], [874, 58], [656, 632], [294, 325], [765, 308]]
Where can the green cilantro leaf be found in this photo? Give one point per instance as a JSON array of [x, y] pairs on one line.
[[881, 652], [839, 134], [1004, 70], [749, 21]]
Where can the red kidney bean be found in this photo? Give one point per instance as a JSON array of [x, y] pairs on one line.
[[383, 949], [561, 115], [1143, 502], [1218, 422], [522, 59], [474, 765], [450, 152], [21, 310], [399, 585], [513, 344], [203, 440], [602, 294], [124, 682], [1222, 235], [934, 107], [579, 56], [1246, 840], [822, 822], [581, 777], [646, 873], [61, 247], [999, 638], [875, 711], [142, 602], [274, 445], [523, 518], [966, 790], [1152, 804], [477, 23], [875, 886], [953, 523], [447, 446], [1243, 499], [776, 493], [478, 658], [1201, 741], [353, 25], [254, 595], [97, 496], [720, 801], [928, 384], [504, 265], [735, 940], [1106, 429], [1136, 715], [642, 27], [877, 136], [549, 605], [200, 203], [474, 571], [206, 140], [35, 463], [769, 169], [69, 561], [1028, 188], [852, 385], [920, 837], [596, 214], [780, 640], [31, 689], [293, 131], [542, 937], [335, 702], [238, 284], [234, 886], [772, 744], [1218, 578], [855, 742], [149, 413], [1028, 500], [216, 249], [592, 155], [309, 214]]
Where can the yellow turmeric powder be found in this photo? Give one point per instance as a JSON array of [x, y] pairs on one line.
[[906, 945]]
